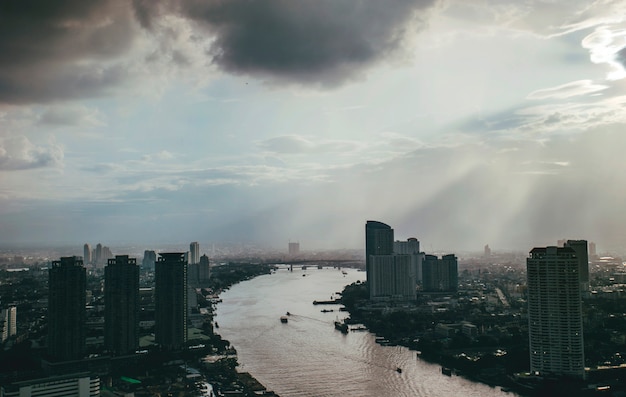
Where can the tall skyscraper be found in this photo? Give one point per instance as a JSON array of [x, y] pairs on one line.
[[149, 259], [98, 259], [555, 326], [378, 241], [66, 309], [8, 322], [391, 277], [121, 305], [87, 254], [580, 246], [411, 247], [440, 275], [204, 270], [592, 248], [194, 253], [171, 300]]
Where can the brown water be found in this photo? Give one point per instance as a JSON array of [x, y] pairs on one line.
[[308, 357]]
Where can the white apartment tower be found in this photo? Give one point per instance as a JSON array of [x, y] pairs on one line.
[[555, 324]]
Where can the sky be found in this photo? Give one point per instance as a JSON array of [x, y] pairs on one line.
[[267, 121]]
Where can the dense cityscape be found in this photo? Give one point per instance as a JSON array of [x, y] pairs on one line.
[[550, 322]]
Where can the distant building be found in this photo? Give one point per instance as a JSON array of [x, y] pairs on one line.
[[411, 247], [440, 275], [378, 241], [8, 322], [98, 259], [194, 253], [87, 254], [391, 277], [76, 385], [66, 309], [555, 326], [592, 249], [149, 259], [487, 251], [580, 246], [171, 300], [121, 305], [294, 248]]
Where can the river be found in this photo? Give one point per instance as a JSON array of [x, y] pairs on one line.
[[308, 357]]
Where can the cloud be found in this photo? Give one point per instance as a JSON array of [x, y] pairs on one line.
[[322, 42], [575, 88], [18, 153], [295, 144], [72, 115], [61, 49]]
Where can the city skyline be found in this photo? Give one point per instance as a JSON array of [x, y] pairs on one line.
[[470, 124]]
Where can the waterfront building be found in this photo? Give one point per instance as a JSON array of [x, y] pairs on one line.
[[121, 305], [378, 241], [194, 253], [294, 248], [555, 325], [87, 254], [391, 277], [76, 385], [580, 246], [204, 270], [440, 275], [171, 300], [66, 309], [411, 247], [8, 322]]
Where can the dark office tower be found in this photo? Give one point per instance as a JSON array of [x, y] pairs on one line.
[[378, 241], [149, 259], [555, 325], [121, 305], [66, 309], [87, 254], [580, 246], [171, 300], [194, 253], [204, 270], [440, 275]]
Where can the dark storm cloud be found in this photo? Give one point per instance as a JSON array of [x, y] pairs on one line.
[[66, 49], [310, 41], [46, 47]]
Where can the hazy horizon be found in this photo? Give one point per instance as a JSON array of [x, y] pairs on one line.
[[461, 125]]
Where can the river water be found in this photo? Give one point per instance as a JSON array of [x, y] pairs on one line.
[[308, 357]]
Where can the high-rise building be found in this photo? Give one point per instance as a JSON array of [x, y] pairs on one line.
[[294, 248], [149, 259], [66, 309], [121, 305], [378, 241], [98, 259], [194, 253], [440, 275], [171, 300], [204, 270], [391, 277], [411, 247], [487, 251], [580, 246], [8, 322], [555, 326], [87, 254]]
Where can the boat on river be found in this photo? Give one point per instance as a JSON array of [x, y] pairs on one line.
[[343, 327], [284, 319], [446, 371]]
